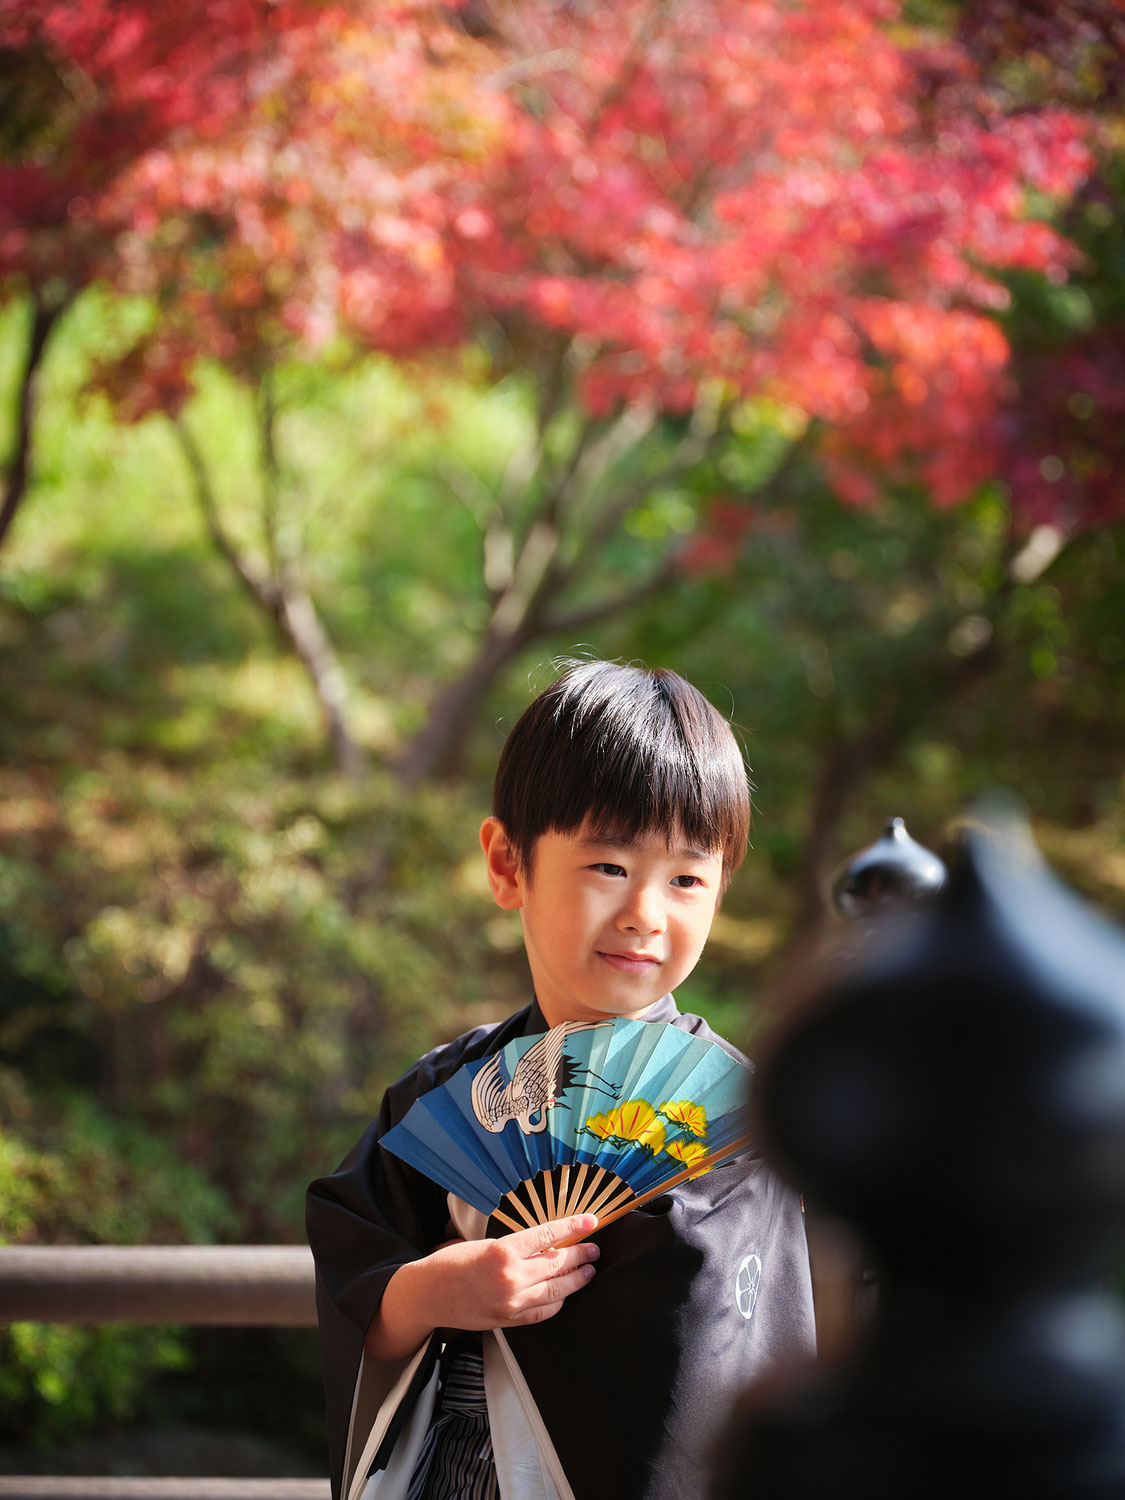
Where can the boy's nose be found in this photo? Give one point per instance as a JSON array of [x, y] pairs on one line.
[[645, 912]]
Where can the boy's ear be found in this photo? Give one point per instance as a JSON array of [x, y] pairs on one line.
[[503, 868]]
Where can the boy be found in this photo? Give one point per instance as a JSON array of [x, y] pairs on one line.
[[620, 813]]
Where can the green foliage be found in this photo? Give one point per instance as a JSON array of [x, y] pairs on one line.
[[215, 952], [234, 982], [59, 1383], [69, 1172]]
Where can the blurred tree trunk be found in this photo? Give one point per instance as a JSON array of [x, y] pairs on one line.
[[277, 586], [439, 748], [534, 557], [847, 762], [16, 479], [531, 559], [844, 767]]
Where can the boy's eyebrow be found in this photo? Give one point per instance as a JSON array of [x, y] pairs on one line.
[[609, 842]]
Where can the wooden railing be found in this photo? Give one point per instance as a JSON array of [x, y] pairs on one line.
[[237, 1286]]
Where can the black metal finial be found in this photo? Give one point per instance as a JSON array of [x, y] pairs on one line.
[[893, 872], [957, 1093]]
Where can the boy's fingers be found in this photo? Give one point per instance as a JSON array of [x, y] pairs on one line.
[[555, 1232], [545, 1299], [550, 1264]]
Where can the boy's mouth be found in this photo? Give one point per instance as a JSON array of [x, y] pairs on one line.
[[630, 963]]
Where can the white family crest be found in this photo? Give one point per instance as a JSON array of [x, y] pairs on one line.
[[746, 1284]]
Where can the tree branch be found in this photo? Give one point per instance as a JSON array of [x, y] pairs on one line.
[[256, 579], [603, 609], [271, 502], [284, 597], [507, 560], [317, 655], [498, 544], [564, 478], [534, 575], [528, 460], [691, 449], [631, 427], [848, 761], [539, 575], [552, 388], [18, 473], [643, 33], [522, 610]]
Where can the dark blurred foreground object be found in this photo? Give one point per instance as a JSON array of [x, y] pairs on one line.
[[892, 873], [957, 1093]]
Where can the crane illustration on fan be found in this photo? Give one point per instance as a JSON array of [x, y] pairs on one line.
[[590, 1117]]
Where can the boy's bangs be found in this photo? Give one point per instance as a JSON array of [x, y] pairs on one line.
[[624, 753], [674, 801]]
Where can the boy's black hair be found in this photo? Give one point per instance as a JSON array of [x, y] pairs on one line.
[[631, 751]]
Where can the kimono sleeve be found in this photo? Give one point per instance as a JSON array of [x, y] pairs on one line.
[[370, 1216]]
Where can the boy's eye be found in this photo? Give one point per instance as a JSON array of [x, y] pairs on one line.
[[685, 882], [607, 869]]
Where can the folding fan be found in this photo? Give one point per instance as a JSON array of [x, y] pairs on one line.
[[592, 1117]]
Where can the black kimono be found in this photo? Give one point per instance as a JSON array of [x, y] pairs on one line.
[[696, 1294]]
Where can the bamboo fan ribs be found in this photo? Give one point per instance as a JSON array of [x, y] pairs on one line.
[[588, 1118]]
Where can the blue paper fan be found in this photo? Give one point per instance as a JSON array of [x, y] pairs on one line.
[[587, 1118]]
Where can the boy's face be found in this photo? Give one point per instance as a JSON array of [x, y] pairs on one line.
[[609, 927]]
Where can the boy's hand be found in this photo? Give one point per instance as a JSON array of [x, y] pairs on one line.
[[520, 1278], [477, 1284]]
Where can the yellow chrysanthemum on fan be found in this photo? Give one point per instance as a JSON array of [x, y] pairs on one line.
[[685, 1112], [690, 1153], [634, 1121], [646, 1107]]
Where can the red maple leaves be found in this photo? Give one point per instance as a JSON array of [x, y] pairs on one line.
[[813, 204], [90, 89]]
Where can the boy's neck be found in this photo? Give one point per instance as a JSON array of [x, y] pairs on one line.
[[660, 1010]]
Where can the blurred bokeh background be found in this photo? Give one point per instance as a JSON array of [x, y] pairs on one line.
[[360, 361]]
